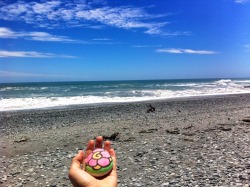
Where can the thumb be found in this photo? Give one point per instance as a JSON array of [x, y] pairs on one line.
[[77, 160], [77, 176]]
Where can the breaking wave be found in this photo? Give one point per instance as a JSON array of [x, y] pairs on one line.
[[59, 95]]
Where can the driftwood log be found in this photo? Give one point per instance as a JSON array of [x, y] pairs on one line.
[[113, 137], [150, 109], [246, 119]]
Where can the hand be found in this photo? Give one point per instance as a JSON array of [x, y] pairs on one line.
[[80, 178]]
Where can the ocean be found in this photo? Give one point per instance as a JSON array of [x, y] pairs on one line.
[[22, 96]]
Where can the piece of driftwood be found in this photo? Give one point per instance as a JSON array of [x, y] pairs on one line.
[[150, 109], [148, 131], [113, 137], [188, 133], [224, 128], [129, 139], [246, 119], [188, 127], [22, 139], [173, 131]]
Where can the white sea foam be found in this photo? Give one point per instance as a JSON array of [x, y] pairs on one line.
[[224, 86], [223, 81], [44, 102], [182, 85]]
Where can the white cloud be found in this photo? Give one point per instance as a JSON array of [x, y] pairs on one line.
[[146, 46], [53, 14], [186, 51], [102, 39], [247, 47], [241, 1], [46, 7], [38, 36], [43, 36], [46, 37], [31, 54], [7, 33]]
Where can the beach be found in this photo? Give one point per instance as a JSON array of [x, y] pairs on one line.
[[192, 141]]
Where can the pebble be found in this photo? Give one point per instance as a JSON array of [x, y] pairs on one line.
[[215, 158]]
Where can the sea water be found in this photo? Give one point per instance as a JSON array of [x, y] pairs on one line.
[[19, 96]]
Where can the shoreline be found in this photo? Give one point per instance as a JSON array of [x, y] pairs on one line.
[[185, 142], [76, 106], [61, 117]]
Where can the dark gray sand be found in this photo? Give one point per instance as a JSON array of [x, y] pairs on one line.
[[198, 141]]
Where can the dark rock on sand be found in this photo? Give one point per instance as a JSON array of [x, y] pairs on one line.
[[173, 131], [113, 137], [21, 139], [188, 133], [150, 109], [148, 131], [246, 119], [224, 128], [188, 127]]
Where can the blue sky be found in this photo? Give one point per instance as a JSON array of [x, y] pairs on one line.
[[84, 40]]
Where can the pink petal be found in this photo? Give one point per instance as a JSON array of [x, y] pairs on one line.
[[88, 158], [92, 163], [105, 154], [103, 162]]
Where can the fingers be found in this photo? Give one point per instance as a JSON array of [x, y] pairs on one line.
[[98, 142], [112, 153], [90, 147], [107, 145], [94, 145]]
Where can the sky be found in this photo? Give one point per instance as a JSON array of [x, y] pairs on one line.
[[90, 40]]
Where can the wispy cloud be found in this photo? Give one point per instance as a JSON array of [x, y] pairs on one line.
[[102, 39], [241, 1], [247, 47], [46, 37], [146, 46], [31, 54], [54, 14], [37, 36], [186, 51]]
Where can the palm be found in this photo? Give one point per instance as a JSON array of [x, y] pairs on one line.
[[80, 178]]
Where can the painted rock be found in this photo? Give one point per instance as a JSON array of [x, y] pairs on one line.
[[99, 163]]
